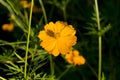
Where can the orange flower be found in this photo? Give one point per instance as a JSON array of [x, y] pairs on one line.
[[25, 4], [75, 58], [8, 27], [58, 37], [36, 9]]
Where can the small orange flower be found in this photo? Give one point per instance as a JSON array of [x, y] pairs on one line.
[[8, 27], [58, 37], [36, 9], [25, 4], [73, 57]]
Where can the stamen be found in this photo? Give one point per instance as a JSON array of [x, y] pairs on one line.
[[50, 33]]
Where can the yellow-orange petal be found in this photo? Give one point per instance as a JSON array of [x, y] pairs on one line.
[[76, 53], [59, 25], [62, 46], [55, 51], [43, 36], [70, 40], [79, 60], [69, 58], [48, 45], [68, 31], [50, 26]]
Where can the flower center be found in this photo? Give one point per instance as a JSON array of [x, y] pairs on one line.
[[57, 35], [52, 34]]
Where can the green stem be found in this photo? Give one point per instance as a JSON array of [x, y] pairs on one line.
[[100, 57], [99, 41], [28, 40], [10, 43], [51, 67], [7, 6], [64, 13], [43, 9], [12, 6], [62, 74], [26, 16], [92, 69], [19, 57]]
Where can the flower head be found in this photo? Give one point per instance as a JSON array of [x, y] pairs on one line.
[[58, 37], [25, 4], [73, 57], [8, 27]]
